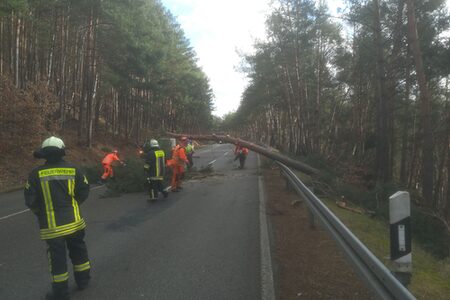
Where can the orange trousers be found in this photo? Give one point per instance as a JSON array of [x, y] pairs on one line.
[[177, 172], [107, 171]]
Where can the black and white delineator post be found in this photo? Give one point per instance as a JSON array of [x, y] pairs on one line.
[[400, 220]]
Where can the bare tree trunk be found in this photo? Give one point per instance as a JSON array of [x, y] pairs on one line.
[[50, 56], [62, 93], [427, 133], [1, 45], [383, 160], [446, 200], [405, 130], [94, 76], [317, 108], [17, 83], [447, 203], [392, 79], [83, 65], [271, 153]]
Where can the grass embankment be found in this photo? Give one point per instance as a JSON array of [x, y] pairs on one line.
[[430, 277]]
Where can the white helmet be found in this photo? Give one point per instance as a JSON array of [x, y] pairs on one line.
[[53, 142], [51, 147], [154, 143]]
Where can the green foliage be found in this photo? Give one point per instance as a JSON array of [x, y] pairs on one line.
[[430, 275], [106, 149], [352, 96], [145, 70], [146, 49], [316, 160], [427, 231], [431, 233], [92, 173], [8, 6], [130, 178], [208, 169]]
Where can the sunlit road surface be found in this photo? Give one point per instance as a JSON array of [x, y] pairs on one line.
[[200, 243]]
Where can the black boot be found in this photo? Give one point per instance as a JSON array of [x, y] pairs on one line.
[[60, 291], [82, 279]]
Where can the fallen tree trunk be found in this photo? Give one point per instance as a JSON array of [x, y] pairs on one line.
[[273, 154]]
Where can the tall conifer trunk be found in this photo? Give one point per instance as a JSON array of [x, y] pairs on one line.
[[383, 160], [427, 133]]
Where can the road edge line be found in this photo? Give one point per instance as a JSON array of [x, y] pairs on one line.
[[14, 214], [23, 211], [267, 283]]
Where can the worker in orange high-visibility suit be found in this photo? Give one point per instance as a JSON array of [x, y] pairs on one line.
[[240, 153], [177, 163], [107, 164]]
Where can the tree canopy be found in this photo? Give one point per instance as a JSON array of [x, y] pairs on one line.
[[351, 90], [121, 65]]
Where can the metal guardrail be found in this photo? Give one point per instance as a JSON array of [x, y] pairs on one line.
[[371, 270]]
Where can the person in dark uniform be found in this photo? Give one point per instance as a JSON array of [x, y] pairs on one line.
[[54, 193], [240, 153], [155, 167]]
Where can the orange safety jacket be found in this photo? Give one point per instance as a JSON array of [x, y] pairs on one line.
[[110, 158], [179, 156], [239, 149]]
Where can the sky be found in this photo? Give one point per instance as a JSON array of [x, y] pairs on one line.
[[217, 31]]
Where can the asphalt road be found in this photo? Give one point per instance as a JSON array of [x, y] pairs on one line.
[[201, 243]]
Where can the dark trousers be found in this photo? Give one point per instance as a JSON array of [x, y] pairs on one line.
[[58, 262], [241, 157], [242, 160], [191, 160], [155, 186]]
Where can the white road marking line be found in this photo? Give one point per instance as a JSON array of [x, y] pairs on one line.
[[211, 162], [14, 214], [267, 285], [25, 210]]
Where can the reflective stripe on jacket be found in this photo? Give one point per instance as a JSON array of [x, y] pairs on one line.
[[189, 149], [155, 162], [54, 192]]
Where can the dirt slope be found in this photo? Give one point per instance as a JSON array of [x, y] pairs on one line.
[[308, 265], [15, 167]]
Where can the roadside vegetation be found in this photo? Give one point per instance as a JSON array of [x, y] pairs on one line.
[[369, 221], [365, 98], [91, 70], [430, 273]]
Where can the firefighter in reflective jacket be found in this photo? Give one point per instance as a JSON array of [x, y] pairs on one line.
[[177, 163], [54, 192], [155, 168]]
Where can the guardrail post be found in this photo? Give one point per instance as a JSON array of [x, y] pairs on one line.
[[312, 224], [400, 233], [288, 184]]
